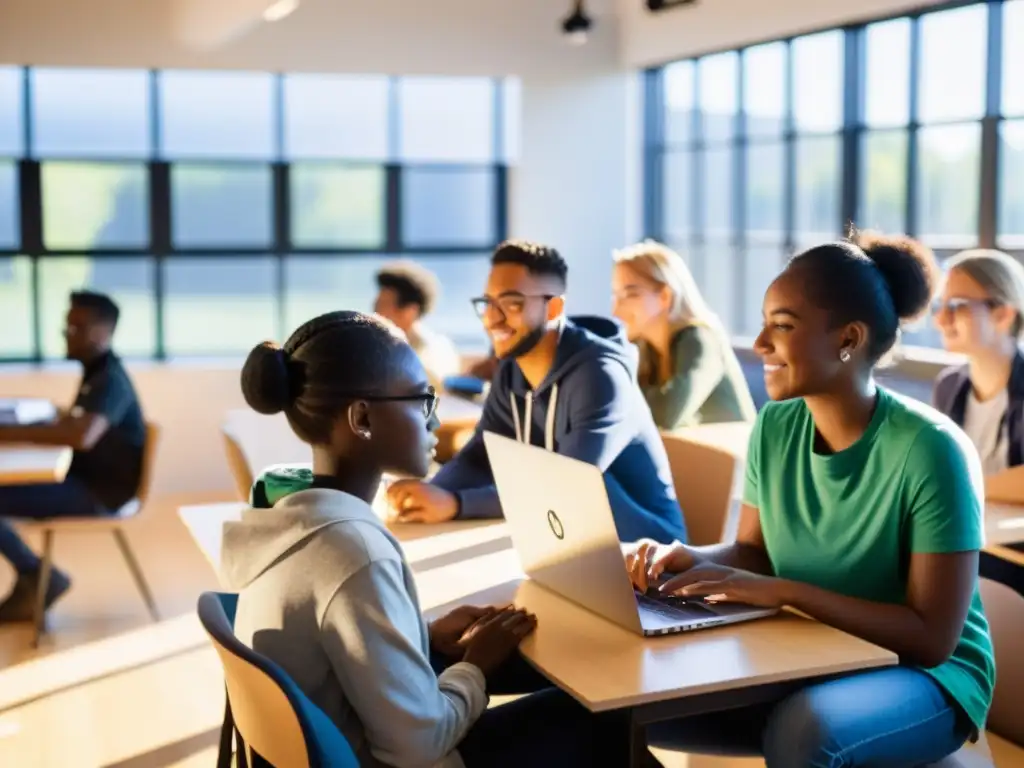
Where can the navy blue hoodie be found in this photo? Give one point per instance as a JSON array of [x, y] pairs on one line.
[[589, 407]]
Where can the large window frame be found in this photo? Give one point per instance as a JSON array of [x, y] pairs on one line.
[[161, 249], [744, 317]]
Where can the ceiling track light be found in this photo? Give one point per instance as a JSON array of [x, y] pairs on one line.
[[576, 26]]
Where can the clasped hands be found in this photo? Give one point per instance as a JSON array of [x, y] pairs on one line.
[[688, 575], [415, 501]]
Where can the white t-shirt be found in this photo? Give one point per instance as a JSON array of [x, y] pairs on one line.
[[984, 424], [436, 352]]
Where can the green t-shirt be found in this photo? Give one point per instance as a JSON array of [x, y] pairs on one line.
[[848, 522]]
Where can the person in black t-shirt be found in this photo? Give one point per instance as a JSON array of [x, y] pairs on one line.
[[106, 430]]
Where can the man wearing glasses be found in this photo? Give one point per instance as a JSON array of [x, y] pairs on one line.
[[568, 384], [107, 432]]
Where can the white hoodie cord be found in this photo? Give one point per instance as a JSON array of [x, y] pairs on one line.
[[523, 435]]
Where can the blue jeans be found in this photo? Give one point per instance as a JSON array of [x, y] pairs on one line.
[[889, 718], [38, 502]]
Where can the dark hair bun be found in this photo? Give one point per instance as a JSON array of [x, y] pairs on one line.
[[266, 383], [908, 267]]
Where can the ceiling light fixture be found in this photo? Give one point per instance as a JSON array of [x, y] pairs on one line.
[[576, 26], [279, 9]]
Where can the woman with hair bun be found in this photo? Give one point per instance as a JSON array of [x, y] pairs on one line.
[[325, 590], [862, 509]]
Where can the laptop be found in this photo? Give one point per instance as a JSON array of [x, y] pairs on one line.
[[562, 528]]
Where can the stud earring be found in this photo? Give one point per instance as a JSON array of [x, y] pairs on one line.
[[844, 355], [364, 433]]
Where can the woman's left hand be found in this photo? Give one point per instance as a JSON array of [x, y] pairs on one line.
[[731, 585]]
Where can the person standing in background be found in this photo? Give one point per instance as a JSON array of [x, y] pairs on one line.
[[688, 371], [406, 294]]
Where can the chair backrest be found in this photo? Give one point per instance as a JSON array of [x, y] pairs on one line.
[[1004, 609], [237, 463], [148, 462], [274, 717], [703, 476]]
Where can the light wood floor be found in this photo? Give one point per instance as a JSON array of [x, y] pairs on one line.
[[108, 688]]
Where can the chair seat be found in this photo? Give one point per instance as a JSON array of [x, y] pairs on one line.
[[98, 523], [971, 756]]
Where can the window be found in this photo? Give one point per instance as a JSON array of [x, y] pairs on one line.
[[16, 341], [947, 185], [336, 116], [818, 82], [448, 205], [446, 119], [12, 129], [317, 284], [217, 115], [94, 206], [219, 305], [953, 45], [1011, 193], [127, 280], [10, 224], [90, 113], [223, 208], [337, 206], [760, 152], [1013, 57]]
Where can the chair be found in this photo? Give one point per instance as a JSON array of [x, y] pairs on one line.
[[268, 713], [704, 476], [237, 463], [112, 523]]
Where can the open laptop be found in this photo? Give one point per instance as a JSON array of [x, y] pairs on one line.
[[561, 522]]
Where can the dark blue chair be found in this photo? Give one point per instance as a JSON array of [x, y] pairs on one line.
[[265, 709]]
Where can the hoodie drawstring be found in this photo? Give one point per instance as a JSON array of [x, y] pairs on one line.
[[523, 436]]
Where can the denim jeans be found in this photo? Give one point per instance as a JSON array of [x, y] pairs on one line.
[[545, 729], [38, 502], [889, 718]]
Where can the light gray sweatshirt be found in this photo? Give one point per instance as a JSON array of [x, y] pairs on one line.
[[326, 593]]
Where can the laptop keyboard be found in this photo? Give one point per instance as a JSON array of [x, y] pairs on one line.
[[675, 607]]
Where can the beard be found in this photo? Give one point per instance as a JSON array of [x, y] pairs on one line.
[[527, 343]]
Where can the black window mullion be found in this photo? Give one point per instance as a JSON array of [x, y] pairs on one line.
[[281, 174], [393, 208], [500, 202], [160, 236], [654, 154], [988, 208], [853, 75], [913, 153]]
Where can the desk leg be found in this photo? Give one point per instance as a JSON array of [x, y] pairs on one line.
[[638, 752]]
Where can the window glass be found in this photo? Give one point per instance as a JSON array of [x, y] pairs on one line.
[[818, 178], [448, 207], [719, 97], [16, 307], [340, 116], [883, 187], [818, 81], [953, 52], [680, 101], [764, 90], [12, 128], [10, 217], [887, 84], [446, 119], [92, 206], [949, 160], [340, 206], [221, 206]]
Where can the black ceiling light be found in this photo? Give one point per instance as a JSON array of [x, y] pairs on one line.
[[577, 25]]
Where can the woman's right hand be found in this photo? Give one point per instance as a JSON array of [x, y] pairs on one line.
[[647, 560], [494, 639]]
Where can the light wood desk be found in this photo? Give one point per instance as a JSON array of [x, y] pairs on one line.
[[657, 678], [24, 464]]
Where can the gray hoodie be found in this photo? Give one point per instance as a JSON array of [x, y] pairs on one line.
[[326, 593]]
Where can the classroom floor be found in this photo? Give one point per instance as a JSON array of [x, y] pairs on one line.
[[108, 688]]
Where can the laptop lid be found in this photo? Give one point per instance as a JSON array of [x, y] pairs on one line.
[[561, 523]]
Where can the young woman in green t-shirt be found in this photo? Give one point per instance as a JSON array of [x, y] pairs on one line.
[[863, 509]]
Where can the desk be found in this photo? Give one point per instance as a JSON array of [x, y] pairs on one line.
[[21, 465], [657, 678], [1004, 523]]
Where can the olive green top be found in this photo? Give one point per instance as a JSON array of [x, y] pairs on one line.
[[706, 386]]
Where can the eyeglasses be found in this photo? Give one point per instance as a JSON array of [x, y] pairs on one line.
[[955, 305], [429, 399], [508, 304]]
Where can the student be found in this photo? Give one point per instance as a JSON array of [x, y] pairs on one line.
[[406, 295], [105, 428], [325, 590], [688, 372], [981, 315], [862, 509], [568, 384]]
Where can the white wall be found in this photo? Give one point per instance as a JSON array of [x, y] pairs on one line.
[[649, 38]]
